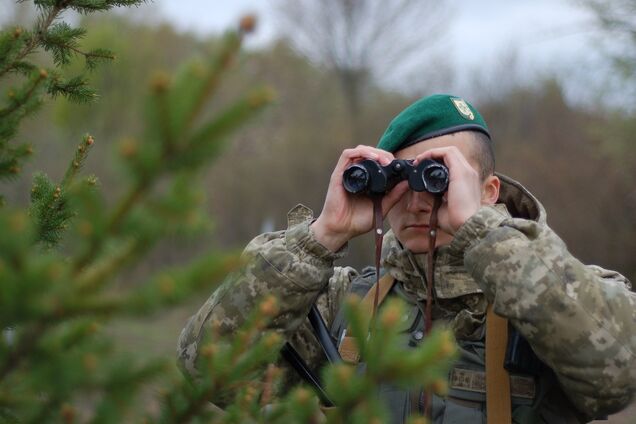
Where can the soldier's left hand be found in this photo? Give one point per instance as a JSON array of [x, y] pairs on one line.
[[464, 196]]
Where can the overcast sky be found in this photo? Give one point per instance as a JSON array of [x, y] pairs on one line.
[[541, 30], [544, 35]]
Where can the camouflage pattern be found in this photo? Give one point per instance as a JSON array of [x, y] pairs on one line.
[[580, 320]]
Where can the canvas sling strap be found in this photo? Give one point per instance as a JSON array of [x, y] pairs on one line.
[[348, 348], [497, 379]]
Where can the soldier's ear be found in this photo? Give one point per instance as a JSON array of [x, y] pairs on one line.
[[490, 190]]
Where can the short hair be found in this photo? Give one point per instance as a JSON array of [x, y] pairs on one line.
[[484, 154]]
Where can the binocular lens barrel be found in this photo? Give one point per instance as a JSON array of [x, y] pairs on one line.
[[435, 178], [355, 179]]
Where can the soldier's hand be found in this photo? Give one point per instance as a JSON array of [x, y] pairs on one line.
[[464, 196], [345, 216]]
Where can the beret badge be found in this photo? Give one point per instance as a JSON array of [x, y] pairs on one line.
[[462, 108]]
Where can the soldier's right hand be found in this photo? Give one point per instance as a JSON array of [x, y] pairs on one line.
[[345, 216]]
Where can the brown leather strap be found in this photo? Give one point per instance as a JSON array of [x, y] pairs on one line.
[[430, 273], [430, 258], [379, 235], [498, 406]]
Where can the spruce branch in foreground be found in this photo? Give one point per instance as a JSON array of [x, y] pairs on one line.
[[49, 203], [57, 361], [34, 82]]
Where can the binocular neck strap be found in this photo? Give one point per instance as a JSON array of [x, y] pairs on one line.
[[378, 224], [430, 259], [430, 273]]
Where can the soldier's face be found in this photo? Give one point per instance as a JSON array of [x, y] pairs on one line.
[[410, 217]]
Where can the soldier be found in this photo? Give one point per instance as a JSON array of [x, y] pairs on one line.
[[493, 247]]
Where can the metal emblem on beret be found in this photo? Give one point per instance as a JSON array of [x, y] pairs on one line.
[[463, 108]]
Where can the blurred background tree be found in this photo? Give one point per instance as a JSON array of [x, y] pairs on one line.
[[362, 41]]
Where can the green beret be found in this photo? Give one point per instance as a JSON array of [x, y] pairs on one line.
[[430, 117]]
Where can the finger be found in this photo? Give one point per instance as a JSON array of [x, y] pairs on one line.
[[452, 157], [368, 152], [450, 152]]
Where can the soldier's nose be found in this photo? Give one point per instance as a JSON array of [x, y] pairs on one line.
[[419, 201]]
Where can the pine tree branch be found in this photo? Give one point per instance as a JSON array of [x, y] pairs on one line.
[[222, 62], [16, 104], [36, 39], [125, 205], [49, 201], [93, 278], [160, 87], [80, 156]]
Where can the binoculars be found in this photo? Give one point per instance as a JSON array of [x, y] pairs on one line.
[[371, 178]]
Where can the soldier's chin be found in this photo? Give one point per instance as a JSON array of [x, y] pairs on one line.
[[416, 245]]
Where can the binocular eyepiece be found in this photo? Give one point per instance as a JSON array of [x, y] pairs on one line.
[[369, 177]]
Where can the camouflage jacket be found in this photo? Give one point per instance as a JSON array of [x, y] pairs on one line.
[[580, 320]]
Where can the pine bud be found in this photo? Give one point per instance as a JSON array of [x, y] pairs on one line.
[[261, 97], [166, 285], [391, 315], [89, 361], [247, 24], [447, 345], [439, 387], [160, 82], [268, 306], [17, 32], [250, 394], [272, 340], [43, 73], [89, 140], [209, 350], [29, 150], [85, 228], [344, 373], [76, 164], [128, 147], [302, 396], [55, 271], [17, 222], [68, 413], [94, 327]]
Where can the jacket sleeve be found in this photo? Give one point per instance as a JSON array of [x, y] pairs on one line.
[[292, 266], [580, 320]]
